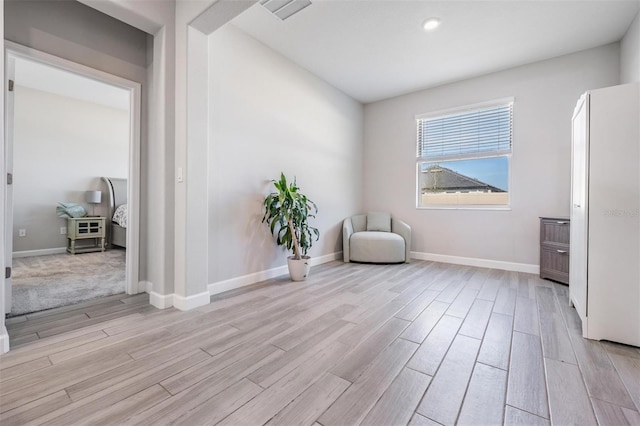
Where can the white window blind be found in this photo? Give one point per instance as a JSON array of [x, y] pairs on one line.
[[480, 132]]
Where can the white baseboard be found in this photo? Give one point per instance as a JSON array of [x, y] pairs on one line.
[[191, 302], [161, 301], [481, 263], [4, 340], [42, 252], [256, 277], [145, 286]]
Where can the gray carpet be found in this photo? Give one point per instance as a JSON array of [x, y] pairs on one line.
[[45, 282]]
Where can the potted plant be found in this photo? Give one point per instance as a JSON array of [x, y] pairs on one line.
[[287, 213]]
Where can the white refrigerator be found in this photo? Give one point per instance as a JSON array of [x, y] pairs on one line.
[[604, 283]]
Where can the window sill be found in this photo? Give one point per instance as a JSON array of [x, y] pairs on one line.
[[488, 208]]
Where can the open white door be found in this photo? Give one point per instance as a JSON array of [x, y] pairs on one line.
[[8, 217], [579, 207]]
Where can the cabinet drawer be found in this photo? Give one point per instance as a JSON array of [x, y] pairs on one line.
[[554, 231], [554, 263]]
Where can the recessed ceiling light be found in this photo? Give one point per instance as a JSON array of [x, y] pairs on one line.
[[431, 24]]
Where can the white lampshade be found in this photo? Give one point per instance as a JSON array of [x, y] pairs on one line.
[[93, 197]]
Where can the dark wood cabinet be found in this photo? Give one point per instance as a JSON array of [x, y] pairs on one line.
[[554, 248]]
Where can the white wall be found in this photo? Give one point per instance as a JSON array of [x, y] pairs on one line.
[[630, 53], [61, 146], [268, 115], [545, 95]]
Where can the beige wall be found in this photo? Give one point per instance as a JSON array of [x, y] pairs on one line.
[[61, 147], [269, 115], [545, 95], [630, 53]]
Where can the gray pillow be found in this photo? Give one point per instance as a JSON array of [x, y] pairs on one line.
[[379, 222]]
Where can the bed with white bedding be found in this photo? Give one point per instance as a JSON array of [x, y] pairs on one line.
[[116, 200]]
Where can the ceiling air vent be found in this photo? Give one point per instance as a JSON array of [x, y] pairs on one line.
[[283, 9]]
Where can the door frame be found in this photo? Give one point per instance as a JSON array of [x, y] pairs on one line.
[[15, 50]]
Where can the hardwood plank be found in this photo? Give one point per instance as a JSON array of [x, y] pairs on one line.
[[568, 399], [477, 278], [370, 324], [614, 415], [475, 323], [251, 322], [270, 329], [124, 342], [18, 341], [418, 420], [354, 404], [75, 412], [629, 371], [103, 301], [431, 352], [461, 305], [419, 304], [526, 316], [220, 372], [306, 408], [179, 338], [398, 403], [496, 345], [8, 322], [449, 294], [273, 371], [526, 388], [292, 339], [516, 417], [32, 410], [620, 349], [410, 293], [484, 401], [199, 401], [505, 301], [601, 377], [121, 411], [47, 347], [24, 368], [24, 389], [359, 359], [152, 320], [218, 407], [490, 289], [422, 326], [444, 397], [93, 321], [136, 298], [40, 327], [272, 400], [555, 338]]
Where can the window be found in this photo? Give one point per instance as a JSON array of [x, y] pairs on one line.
[[463, 156]]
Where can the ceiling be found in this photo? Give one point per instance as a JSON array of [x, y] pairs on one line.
[[36, 75], [373, 50]]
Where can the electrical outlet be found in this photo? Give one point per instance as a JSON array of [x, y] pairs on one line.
[[63, 230], [22, 232]]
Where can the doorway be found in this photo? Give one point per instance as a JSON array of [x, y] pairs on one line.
[[99, 109]]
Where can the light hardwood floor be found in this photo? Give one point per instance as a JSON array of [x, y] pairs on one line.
[[422, 344]]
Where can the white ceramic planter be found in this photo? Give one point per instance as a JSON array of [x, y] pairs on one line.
[[299, 269]]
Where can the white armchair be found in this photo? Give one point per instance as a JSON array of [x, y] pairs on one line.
[[376, 238]]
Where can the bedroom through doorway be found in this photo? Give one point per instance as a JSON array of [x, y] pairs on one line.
[[72, 211]]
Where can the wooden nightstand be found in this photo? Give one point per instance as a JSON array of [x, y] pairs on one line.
[[81, 228]]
